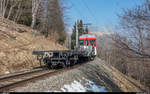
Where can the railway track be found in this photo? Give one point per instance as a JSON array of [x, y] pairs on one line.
[[7, 83], [17, 79]]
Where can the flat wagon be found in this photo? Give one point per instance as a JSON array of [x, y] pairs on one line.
[[85, 51]]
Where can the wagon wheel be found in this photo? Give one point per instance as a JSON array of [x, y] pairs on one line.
[[53, 66], [63, 65], [68, 62], [48, 65], [92, 58], [71, 62], [42, 63], [75, 61]]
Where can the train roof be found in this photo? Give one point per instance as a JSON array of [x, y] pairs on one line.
[[87, 36]]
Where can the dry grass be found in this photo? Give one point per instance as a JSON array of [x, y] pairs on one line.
[[16, 48], [125, 83]]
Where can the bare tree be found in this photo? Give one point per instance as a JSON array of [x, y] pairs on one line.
[[133, 42], [3, 7], [19, 11], [136, 22], [46, 14], [13, 4], [35, 8], [51, 18]]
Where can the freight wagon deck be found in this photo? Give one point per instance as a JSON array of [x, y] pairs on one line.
[[60, 57]]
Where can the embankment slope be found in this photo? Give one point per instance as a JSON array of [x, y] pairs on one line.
[[16, 45]]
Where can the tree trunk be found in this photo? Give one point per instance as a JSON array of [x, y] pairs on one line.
[[33, 20], [3, 7], [11, 8], [35, 7], [18, 12]]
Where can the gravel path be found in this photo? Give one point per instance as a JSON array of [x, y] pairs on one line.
[[96, 71]]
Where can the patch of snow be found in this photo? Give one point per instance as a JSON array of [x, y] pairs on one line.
[[78, 87], [74, 87], [96, 88], [53, 91], [7, 72], [63, 89], [91, 86]]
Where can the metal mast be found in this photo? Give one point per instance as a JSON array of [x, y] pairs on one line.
[[77, 35]]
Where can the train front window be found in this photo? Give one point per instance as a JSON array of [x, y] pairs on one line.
[[81, 42], [93, 42]]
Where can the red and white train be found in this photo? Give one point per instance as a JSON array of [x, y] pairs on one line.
[[88, 44]]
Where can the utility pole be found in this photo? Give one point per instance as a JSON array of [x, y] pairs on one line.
[[76, 35], [69, 42]]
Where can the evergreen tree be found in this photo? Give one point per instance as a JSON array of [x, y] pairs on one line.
[[81, 31], [80, 28]]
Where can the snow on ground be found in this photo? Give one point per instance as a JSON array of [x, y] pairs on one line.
[[78, 86], [93, 87], [7, 72], [74, 87]]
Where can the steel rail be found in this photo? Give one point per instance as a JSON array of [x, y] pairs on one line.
[[33, 78], [9, 76]]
